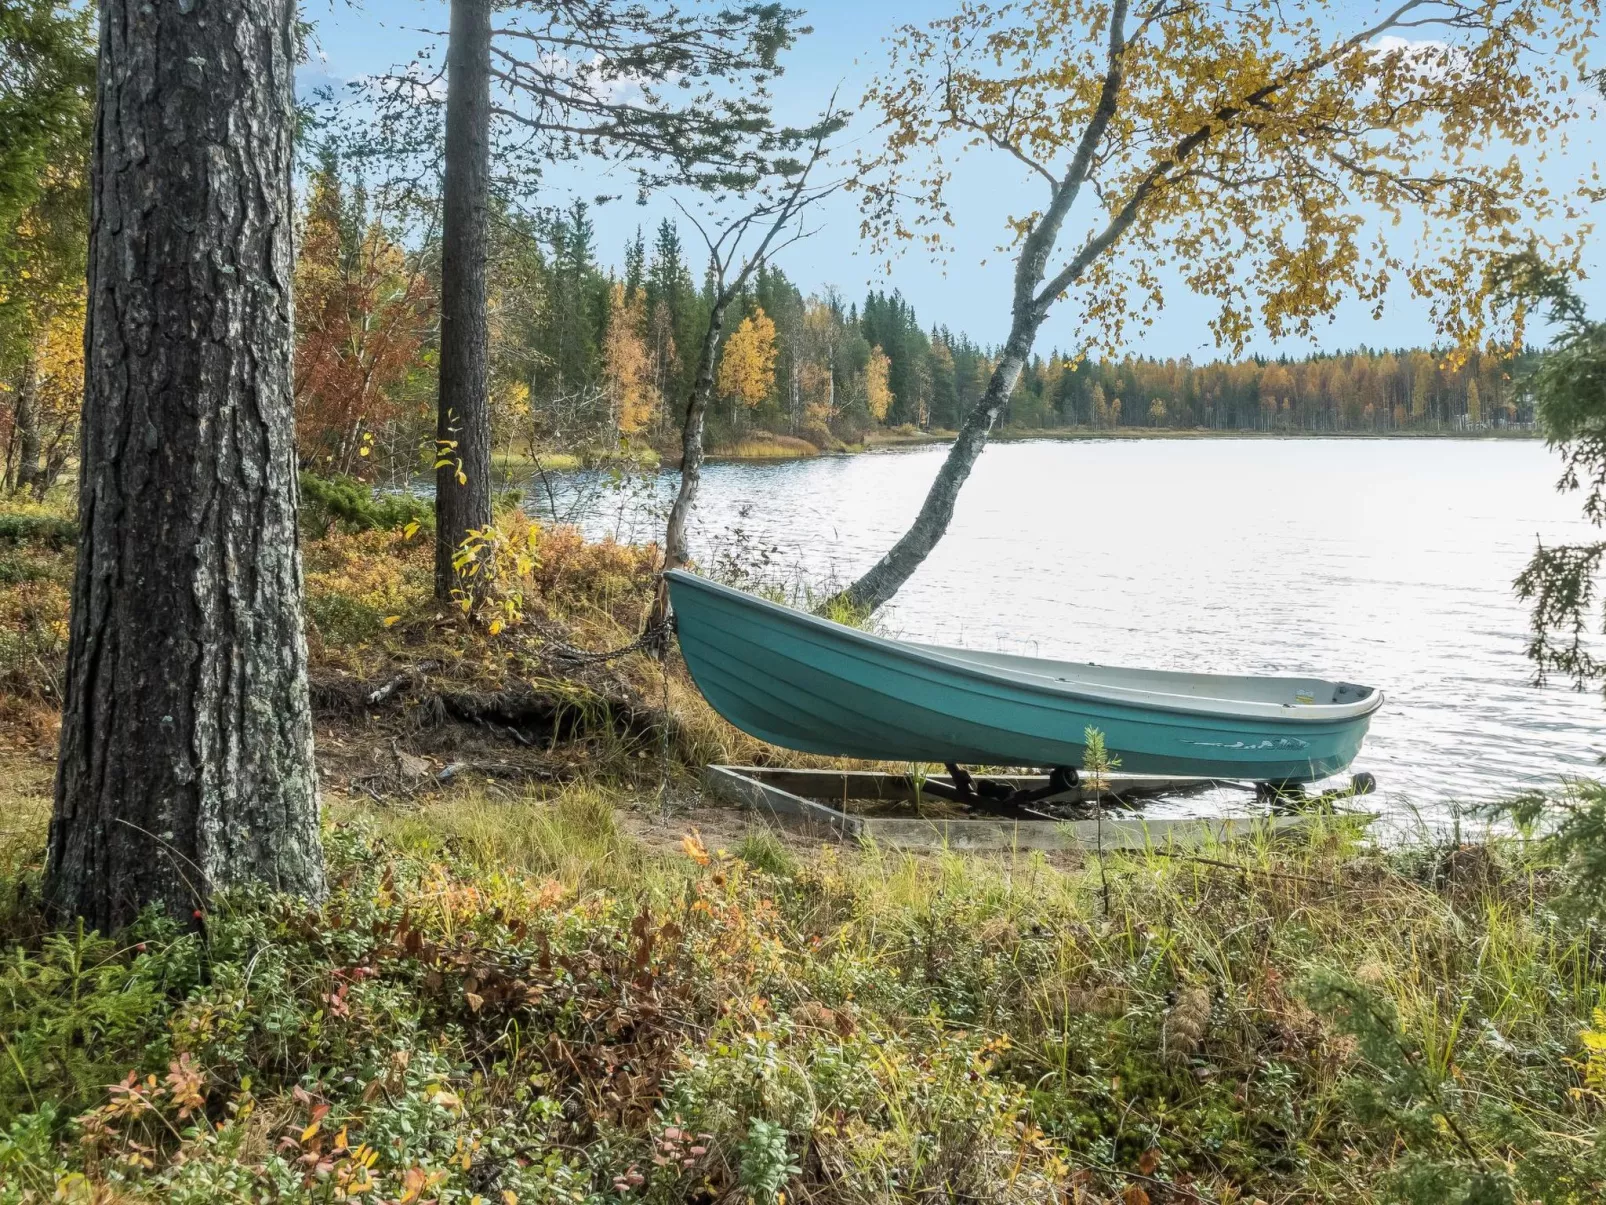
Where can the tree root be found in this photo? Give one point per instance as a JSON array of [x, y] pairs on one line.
[[523, 713]]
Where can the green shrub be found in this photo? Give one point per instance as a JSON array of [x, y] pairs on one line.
[[342, 620], [327, 502], [761, 849], [38, 529]]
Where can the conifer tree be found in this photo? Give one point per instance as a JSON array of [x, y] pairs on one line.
[[185, 763], [683, 96]]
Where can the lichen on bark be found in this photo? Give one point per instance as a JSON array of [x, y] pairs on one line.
[[186, 747]]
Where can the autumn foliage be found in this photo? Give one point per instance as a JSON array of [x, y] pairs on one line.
[[39, 430], [629, 370], [747, 369], [364, 310], [877, 395]]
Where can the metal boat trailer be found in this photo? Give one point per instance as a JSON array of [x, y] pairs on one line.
[[1015, 796], [1006, 811]]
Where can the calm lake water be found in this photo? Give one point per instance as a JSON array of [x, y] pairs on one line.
[[1386, 562]]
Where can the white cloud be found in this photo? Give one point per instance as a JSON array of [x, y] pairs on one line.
[[1432, 59], [624, 88]]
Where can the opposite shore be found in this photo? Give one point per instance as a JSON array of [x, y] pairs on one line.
[[765, 445]]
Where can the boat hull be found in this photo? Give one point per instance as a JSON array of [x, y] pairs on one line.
[[803, 683]]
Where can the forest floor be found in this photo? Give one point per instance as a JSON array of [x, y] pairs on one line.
[[549, 970]]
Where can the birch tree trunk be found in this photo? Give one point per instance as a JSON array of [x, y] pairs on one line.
[[1028, 308], [463, 424], [888, 575], [1027, 313], [676, 553], [186, 743]]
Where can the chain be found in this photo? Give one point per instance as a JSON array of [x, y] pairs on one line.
[[663, 742], [654, 636]]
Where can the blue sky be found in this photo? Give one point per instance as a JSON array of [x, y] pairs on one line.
[[969, 293]]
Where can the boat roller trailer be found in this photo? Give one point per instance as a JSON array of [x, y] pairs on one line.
[[805, 683]]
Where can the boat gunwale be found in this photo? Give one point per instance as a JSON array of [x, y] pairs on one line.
[[935, 656]]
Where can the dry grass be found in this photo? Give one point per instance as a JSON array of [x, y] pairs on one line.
[[26, 781], [763, 445]]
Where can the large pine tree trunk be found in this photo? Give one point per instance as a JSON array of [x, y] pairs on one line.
[[186, 743], [463, 425]]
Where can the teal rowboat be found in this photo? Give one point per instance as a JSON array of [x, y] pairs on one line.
[[803, 682]]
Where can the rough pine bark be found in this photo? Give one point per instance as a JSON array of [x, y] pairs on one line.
[[186, 743], [463, 423]]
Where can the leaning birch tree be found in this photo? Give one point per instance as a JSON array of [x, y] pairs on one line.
[[1273, 158]]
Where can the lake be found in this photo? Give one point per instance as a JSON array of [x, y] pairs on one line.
[[1385, 562]]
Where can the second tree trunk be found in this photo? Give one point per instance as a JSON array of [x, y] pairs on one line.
[[463, 425]]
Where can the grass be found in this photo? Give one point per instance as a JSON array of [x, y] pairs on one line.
[[764, 445], [892, 437], [551, 461], [531, 995], [574, 837]]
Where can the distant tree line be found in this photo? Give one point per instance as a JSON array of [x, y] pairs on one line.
[[1363, 391], [584, 355]]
